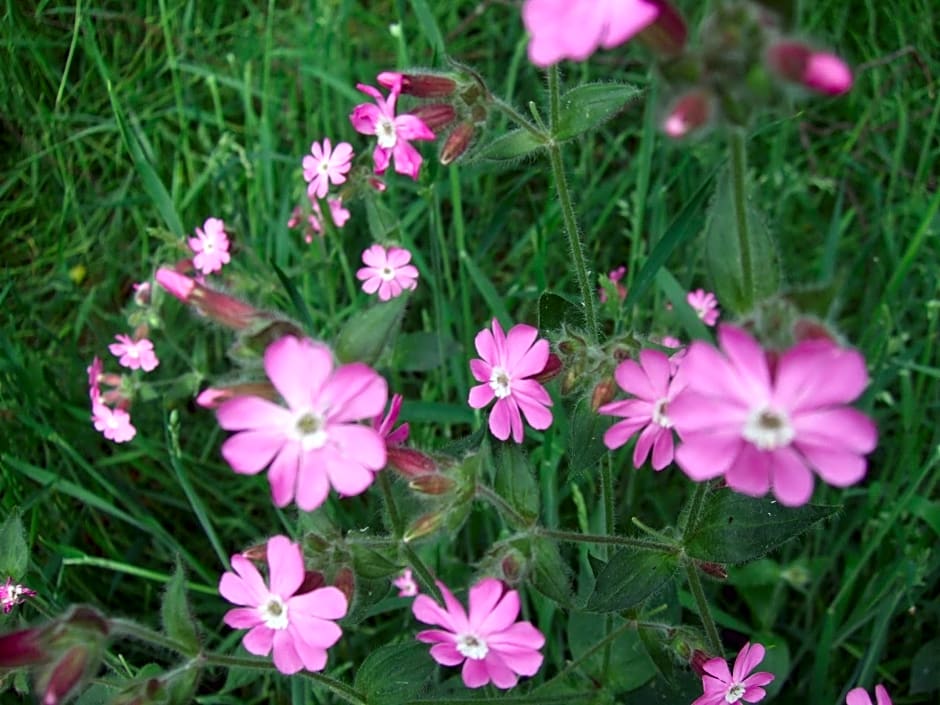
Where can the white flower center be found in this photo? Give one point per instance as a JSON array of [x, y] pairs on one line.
[[324, 167], [310, 429], [387, 273], [659, 413], [385, 131], [734, 693], [499, 382], [132, 351], [274, 613], [208, 244], [472, 646], [768, 429]]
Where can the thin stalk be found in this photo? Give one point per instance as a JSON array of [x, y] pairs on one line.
[[737, 148], [502, 505], [393, 516], [128, 628], [642, 544], [519, 119], [704, 612]]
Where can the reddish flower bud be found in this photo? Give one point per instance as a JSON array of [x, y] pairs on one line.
[[432, 484], [819, 71], [213, 397], [313, 579], [551, 370], [346, 582], [22, 648], [67, 673], [603, 393], [668, 34], [424, 525], [435, 115], [698, 661], [220, 307], [688, 113], [177, 284], [715, 570], [457, 142], [420, 85], [410, 462], [810, 329]]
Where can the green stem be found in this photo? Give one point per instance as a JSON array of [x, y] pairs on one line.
[[128, 628], [502, 505], [519, 119], [393, 516], [607, 492], [737, 146], [704, 612], [642, 544]]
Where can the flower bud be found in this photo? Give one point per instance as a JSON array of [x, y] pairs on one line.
[[435, 115], [715, 570], [819, 71], [213, 397], [698, 661], [313, 579], [345, 581], [812, 329], [457, 142], [423, 525], [668, 34], [22, 648], [68, 672], [220, 307], [688, 113], [603, 393], [420, 85], [177, 284], [432, 484], [142, 294], [410, 462], [551, 370]]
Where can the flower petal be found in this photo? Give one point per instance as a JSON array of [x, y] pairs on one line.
[[285, 566], [258, 641], [792, 480]]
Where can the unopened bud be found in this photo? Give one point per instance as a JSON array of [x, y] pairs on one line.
[[819, 71], [603, 393], [220, 307], [811, 329], [213, 397], [177, 284], [435, 115], [457, 142], [715, 570], [668, 34], [432, 484], [410, 462], [345, 581], [313, 579], [67, 673], [22, 648], [257, 553], [427, 85], [688, 113], [698, 661], [551, 370], [424, 525], [512, 567]]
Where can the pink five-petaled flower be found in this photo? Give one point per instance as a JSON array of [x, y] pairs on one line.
[[13, 594], [764, 425], [654, 384], [394, 133], [705, 305], [489, 642], [326, 165], [405, 582], [574, 29], [134, 354], [210, 246], [315, 442], [298, 627], [508, 363], [387, 271], [615, 276], [723, 686], [115, 423], [859, 696]]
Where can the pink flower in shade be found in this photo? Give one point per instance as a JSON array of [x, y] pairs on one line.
[[315, 442], [705, 305], [134, 354], [94, 379], [574, 29], [394, 133], [508, 363], [766, 425], [858, 696], [326, 165], [314, 218], [384, 424], [115, 423], [210, 246], [489, 642], [819, 71], [387, 272], [723, 686], [615, 276], [298, 627], [405, 582], [13, 594], [654, 385]]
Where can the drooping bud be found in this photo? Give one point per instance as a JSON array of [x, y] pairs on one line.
[[220, 307], [420, 85], [68, 672], [22, 648], [690, 112], [177, 284], [432, 484], [346, 582], [457, 142], [603, 393], [410, 462], [213, 397], [423, 525], [668, 34], [313, 579], [435, 115], [715, 570], [551, 370], [819, 71]]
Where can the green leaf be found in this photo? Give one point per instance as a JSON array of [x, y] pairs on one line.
[[300, 306], [395, 673], [676, 294], [509, 147], [365, 334], [550, 573], [556, 311], [925, 674], [629, 666], [659, 651], [178, 622], [515, 481], [630, 576], [370, 563], [735, 528], [589, 106], [380, 219], [14, 553], [686, 687], [486, 289], [429, 27], [586, 437], [422, 351]]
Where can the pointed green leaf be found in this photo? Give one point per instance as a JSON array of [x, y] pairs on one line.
[[509, 147], [589, 106], [735, 528], [556, 310], [423, 351], [550, 573], [395, 673], [370, 563], [365, 335], [14, 554], [515, 481], [629, 666], [629, 577], [586, 437], [178, 622]]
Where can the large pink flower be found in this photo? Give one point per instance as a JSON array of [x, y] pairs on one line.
[[508, 363], [766, 426], [489, 642], [298, 627], [574, 29], [388, 272], [394, 133], [326, 165], [723, 686], [859, 696], [114, 424], [315, 442], [653, 386]]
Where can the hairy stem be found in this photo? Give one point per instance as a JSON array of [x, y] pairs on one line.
[[609, 539], [502, 505], [704, 612], [738, 160]]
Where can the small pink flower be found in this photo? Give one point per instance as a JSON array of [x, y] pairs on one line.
[[858, 696], [142, 293], [210, 246], [508, 363], [819, 71], [384, 424], [723, 686], [689, 112], [489, 642], [653, 385], [705, 305], [13, 594], [764, 426], [298, 627], [134, 354], [405, 582], [115, 423], [575, 29], [325, 166], [615, 276], [316, 442], [94, 379], [394, 133], [387, 271]]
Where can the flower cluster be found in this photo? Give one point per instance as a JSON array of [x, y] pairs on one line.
[[13, 594]]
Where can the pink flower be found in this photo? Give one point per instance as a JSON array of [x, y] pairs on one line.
[[654, 385], [723, 686], [508, 363], [94, 379], [387, 271], [325, 166], [315, 442], [615, 276], [384, 424], [13, 594], [405, 582], [705, 305], [819, 71], [858, 696], [688, 113], [115, 423], [766, 426], [210, 246], [394, 133], [134, 354], [574, 29], [298, 627], [314, 218], [490, 643]]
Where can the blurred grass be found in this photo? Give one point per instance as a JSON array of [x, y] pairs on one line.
[[209, 110]]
